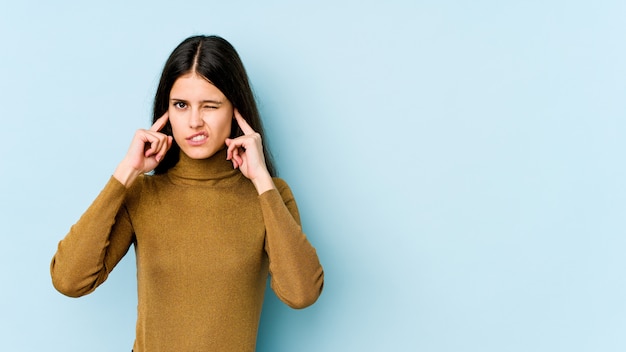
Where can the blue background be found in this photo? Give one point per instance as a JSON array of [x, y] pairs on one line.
[[458, 164]]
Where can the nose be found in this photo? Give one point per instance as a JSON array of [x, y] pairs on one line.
[[195, 119]]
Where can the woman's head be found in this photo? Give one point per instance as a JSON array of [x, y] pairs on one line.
[[215, 60]]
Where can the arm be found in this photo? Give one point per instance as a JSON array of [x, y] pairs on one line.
[[94, 245], [297, 276], [102, 236]]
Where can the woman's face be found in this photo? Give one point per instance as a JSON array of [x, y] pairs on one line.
[[200, 116]]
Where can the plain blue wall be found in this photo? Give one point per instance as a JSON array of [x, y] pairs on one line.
[[458, 164]]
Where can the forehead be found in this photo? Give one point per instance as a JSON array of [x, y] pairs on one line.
[[192, 86]]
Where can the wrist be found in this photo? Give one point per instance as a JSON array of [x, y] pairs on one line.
[[263, 183], [126, 174]]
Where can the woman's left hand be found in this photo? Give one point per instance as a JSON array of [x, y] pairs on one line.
[[246, 153]]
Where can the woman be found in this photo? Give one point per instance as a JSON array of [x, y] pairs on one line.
[[208, 225]]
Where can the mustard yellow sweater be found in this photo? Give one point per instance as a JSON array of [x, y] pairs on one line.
[[205, 242]]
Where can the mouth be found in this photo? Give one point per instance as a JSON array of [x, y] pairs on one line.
[[197, 138]]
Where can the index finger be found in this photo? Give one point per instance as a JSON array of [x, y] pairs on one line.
[[243, 124], [159, 123]]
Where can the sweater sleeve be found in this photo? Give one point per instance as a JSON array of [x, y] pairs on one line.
[[297, 276], [94, 245]]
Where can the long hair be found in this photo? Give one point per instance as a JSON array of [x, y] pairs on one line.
[[215, 59]]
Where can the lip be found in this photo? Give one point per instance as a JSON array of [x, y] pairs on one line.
[[192, 142]]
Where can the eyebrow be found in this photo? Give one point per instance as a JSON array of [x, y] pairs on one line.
[[210, 101]]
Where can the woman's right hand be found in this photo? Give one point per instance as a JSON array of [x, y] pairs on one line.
[[146, 151]]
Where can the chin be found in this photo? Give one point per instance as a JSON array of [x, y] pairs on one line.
[[203, 156], [199, 154]]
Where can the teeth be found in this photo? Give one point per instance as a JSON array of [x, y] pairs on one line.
[[198, 138]]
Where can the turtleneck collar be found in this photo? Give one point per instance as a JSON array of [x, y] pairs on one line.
[[206, 172]]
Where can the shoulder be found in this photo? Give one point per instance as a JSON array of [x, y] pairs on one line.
[[134, 191], [145, 188], [283, 188], [144, 183], [280, 183]]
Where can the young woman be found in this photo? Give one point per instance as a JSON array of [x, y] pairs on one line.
[[208, 226]]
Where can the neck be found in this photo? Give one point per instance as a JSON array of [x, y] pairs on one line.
[[210, 171]]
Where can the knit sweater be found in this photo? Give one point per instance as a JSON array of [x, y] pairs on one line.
[[205, 242]]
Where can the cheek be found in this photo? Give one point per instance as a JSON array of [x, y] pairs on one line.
[[177, 128], [222, 125], [226, 126]]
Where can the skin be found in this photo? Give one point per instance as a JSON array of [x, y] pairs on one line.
[[200, 116]]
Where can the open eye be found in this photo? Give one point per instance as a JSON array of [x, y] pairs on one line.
[[180, 104]]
